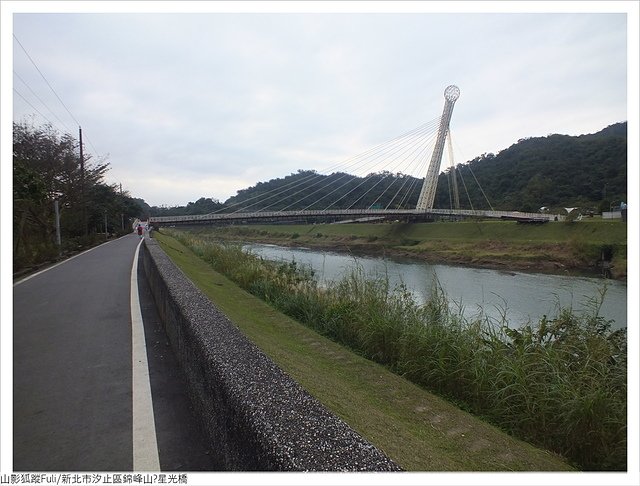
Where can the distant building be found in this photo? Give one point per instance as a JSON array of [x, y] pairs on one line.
[[617, 212]]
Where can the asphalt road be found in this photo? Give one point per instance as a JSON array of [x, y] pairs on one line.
[[72, 370]]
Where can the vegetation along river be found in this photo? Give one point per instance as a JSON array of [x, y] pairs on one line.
[[521, 296]]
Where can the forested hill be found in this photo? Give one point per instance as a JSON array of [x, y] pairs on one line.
[[309, 190], [554, 171]]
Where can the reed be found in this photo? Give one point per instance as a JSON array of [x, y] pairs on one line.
[[559, 383]]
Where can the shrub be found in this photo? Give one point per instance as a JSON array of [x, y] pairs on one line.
[[559, 383]]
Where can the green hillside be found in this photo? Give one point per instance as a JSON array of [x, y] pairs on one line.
[[554, 171]]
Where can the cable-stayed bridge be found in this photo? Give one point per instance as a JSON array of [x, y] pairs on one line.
[[378, 195], [345, 215]]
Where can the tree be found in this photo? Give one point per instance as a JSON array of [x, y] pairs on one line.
[[29, 209], [46, 167]]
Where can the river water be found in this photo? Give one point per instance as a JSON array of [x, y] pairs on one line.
[[522, 297]]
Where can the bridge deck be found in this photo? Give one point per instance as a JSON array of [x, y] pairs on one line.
[[255, 216]]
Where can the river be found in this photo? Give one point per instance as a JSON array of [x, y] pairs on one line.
[[522, 297]]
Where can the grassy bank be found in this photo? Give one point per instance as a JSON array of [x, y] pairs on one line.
[[555, 247], [416, 428], [560, 384]]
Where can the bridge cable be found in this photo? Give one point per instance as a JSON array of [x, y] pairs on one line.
[[422, 170], [421, 162], [468, 165], [355, 162], [338, 188], [414, 182], [280, 190], [415, 160], [452, 179], [466, 191], [383, 149], [449, 175], [421, 149], [481, 190], [365, 180]]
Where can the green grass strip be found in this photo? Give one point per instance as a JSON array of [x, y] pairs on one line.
[[419, 430], [587, 231]]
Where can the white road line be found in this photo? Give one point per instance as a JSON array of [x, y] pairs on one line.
[[145, 445]]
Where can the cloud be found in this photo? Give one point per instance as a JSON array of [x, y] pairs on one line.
[[226, 97]]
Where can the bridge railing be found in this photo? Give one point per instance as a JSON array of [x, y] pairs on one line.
[[354, 213]]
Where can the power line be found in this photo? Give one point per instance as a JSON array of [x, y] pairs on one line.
[[37, 111], [46, 81], [40, 100], [54, 92]]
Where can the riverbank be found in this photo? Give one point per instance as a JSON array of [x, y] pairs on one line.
[[416, 428], [590, 247], [533, 382]]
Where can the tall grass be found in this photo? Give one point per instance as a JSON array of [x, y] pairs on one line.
[[559, 383]]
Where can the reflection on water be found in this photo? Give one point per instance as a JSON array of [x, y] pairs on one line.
[[521, 296]]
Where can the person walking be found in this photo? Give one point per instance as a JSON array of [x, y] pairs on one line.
[[140, 231]]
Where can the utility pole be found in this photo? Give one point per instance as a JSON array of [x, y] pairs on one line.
[[82, 200], [56, 208], [121, 214]]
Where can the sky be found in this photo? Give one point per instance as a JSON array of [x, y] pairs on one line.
[[204, 102]]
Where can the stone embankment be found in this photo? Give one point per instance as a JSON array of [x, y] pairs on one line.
[[256, 417]]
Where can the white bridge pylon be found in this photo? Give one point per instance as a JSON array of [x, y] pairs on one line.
[[428, 192]]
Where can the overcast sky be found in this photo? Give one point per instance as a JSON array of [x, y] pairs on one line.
[[185, 105]]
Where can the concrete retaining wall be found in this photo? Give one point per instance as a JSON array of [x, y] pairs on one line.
[[257, 418]]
